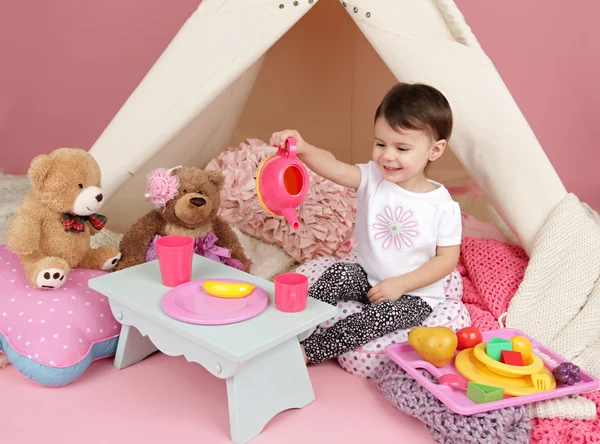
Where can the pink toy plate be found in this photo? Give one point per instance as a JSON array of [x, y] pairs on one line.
[[191, 303], [456, 400]]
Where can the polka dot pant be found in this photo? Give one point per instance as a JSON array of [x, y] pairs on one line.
[[347, 282]]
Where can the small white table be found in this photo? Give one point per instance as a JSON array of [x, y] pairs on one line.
[[260, 358]]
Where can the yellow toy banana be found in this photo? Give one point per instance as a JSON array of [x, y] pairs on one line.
[[227, 290]]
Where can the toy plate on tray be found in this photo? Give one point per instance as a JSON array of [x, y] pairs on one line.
[[191, 303], [518, 390]]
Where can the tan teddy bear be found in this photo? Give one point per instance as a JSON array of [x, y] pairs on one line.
[[186, 201], [51, 230]]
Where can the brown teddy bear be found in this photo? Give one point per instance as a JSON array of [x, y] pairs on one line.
[[51, 230], [186, 202]]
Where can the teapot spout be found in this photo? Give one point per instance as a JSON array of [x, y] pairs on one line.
[[291, 217]]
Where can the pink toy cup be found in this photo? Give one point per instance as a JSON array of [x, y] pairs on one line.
[[291, 292], [175, 259]]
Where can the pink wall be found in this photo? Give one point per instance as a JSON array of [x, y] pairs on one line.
[[70, 64], [66, 67], [547, 54]]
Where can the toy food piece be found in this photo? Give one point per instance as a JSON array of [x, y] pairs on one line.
[[227, 290], [567, 373], [481, 393], [522, 345], [495, 346], [435, 345], [512, 358], [468, 337]]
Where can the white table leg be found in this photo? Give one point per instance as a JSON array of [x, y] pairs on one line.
[[132, 348], [266, 385]]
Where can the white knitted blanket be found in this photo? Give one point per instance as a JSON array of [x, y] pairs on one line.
[[558, 302]]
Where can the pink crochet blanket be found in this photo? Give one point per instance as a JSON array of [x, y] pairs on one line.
[[564, 431], [492, 271]]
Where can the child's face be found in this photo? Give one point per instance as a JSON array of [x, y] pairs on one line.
[[402, 155]]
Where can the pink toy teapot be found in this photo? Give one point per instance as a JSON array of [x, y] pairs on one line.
[[282, 183]]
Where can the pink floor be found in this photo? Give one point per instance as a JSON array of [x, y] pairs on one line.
[[168, 399]]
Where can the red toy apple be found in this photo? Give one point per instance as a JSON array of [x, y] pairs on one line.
[[468, 337]]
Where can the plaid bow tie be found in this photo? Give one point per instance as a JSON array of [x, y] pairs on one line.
[[72, 222]]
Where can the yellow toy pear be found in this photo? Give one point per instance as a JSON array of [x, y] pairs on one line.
[[434, 344]]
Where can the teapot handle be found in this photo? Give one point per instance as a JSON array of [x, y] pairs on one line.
[[290, 149]]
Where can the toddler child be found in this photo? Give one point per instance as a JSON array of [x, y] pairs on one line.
[[407, 228]]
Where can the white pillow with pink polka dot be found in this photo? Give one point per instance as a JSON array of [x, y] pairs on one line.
[[368, 359], [52, 336]]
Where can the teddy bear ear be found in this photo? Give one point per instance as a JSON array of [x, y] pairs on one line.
[[216, 178], [39, 169]]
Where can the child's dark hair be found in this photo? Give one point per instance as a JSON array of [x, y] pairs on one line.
[[415, 106]]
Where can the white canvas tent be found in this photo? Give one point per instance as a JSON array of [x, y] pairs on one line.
[[244, 68]]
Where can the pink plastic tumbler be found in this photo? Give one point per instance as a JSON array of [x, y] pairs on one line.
[[175, 259], [291, 292]]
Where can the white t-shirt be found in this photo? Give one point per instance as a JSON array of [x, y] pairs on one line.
[[397, 231]]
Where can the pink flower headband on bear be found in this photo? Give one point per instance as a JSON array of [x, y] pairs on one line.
[[162, 187]]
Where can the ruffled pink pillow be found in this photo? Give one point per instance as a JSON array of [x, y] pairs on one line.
[[326, 216]]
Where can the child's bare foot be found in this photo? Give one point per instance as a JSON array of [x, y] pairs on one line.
[[304, 354], [3, 360]]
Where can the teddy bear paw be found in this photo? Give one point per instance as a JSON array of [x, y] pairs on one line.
[[50, 278], [111, 263]]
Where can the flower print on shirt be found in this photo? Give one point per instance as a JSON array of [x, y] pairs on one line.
[[397, 228]]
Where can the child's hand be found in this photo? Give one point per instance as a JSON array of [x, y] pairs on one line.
[[278, 139], [387, 290]]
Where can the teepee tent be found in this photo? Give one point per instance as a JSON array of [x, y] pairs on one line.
[[244, 68]]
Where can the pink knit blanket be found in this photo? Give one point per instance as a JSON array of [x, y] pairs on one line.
[[492, 272], [564, 431]]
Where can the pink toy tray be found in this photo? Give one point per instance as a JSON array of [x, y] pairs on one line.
[[191, 303], [456, 399]]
